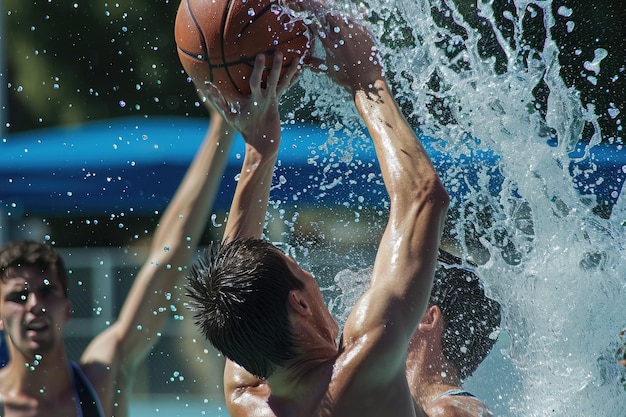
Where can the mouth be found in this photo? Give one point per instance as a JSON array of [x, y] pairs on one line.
[[36, 326]]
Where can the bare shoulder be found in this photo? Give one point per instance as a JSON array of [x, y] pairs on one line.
[[101, 364], [103, 350], [454, 406], [372, 342], [249, 401], [245, 394]]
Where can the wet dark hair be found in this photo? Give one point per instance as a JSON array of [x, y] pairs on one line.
[[239, 296], [29, 253], [471, 318]]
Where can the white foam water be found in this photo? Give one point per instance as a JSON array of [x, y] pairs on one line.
[[557, 268]]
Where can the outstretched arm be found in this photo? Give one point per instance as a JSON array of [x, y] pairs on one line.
[[406, 259], [114, 354], [391, 309], [258, 121]]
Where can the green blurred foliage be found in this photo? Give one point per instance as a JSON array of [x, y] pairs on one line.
[[74, 61]]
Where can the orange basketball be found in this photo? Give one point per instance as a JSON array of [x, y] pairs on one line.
[[218, 41]]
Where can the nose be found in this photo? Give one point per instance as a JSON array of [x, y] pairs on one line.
[[34, 304]]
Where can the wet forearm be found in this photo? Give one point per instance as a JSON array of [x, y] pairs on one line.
[[246, 218]]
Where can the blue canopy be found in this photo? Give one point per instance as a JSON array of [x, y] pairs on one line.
[[136, 164]]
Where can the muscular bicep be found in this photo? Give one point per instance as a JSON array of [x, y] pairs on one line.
[[402, 276]]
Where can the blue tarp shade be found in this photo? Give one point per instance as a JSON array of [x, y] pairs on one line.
[[121, 165], [97, 168]]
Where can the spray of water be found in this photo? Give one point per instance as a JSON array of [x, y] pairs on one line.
[[556, 267]]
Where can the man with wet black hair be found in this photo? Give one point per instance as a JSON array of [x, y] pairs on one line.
[[455, 335], [265, 313], [39, 380]]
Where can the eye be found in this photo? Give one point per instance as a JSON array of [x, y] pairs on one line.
[[19, 297]]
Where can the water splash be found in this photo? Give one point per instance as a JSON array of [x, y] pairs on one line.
[[554, 264]]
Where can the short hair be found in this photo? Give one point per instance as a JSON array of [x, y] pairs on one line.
[[471, 319], [239, 292], [29, 253]]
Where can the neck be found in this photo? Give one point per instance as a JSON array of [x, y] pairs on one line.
[[301, 383], [311, 368], [302, 378], [430, 374], [37, 377]]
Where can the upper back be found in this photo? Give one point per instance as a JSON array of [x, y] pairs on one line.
[[354, 384]]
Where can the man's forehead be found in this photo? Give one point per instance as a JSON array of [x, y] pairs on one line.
[[29, 275]]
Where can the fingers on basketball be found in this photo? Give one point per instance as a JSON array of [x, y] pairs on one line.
[[218, 41]]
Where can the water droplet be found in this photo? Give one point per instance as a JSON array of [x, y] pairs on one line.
[[565, 11]]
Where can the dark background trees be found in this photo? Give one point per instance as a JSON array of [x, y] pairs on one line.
[[75, 61]]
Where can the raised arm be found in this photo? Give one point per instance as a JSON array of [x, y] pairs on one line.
[[407, 255], [126, 342], [258, 121], [391, 309]]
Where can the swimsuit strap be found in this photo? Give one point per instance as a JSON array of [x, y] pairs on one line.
[[455, 392], [88, 402]]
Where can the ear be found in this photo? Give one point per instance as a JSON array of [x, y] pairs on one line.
[[298, 303], [432, 319]]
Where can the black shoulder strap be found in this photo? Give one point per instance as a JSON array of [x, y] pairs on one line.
[[464, 394], [87, 398]]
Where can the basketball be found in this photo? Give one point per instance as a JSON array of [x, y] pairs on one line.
[[218, 40]]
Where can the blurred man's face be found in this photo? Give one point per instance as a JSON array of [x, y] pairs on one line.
[[33, 310]]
